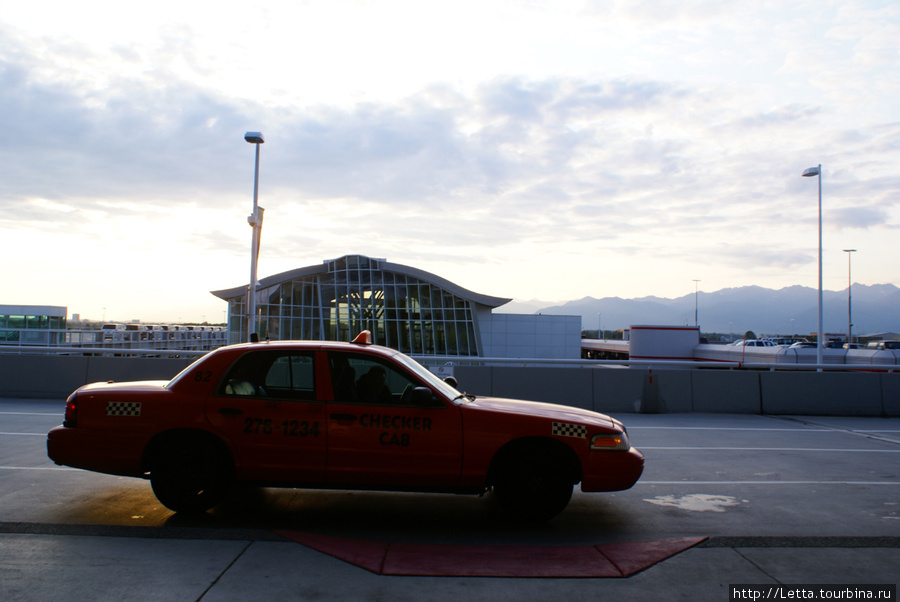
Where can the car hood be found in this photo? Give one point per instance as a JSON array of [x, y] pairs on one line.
[[544, 410]]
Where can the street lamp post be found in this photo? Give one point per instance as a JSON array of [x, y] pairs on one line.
[[820, 342], [849, 253], [696, 323], [255, 220]]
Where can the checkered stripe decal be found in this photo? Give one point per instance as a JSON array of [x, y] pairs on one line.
[[564, 429], [123, 408]]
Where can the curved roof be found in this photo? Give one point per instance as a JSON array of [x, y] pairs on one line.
[[383, 265]]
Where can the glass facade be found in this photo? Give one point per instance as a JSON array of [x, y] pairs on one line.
[[25, 329], [355, 293]]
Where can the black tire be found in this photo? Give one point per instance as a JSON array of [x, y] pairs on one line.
[[191, 475], [533, 484]]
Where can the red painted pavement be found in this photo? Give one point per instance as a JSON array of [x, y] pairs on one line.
[[606, 560]]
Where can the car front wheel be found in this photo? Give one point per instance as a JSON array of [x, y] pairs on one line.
[[191, 476], [532, 485]]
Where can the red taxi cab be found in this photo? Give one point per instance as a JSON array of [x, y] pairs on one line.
[[316, 414]]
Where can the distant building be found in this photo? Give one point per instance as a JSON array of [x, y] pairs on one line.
[[405, 308], [39, 325], [46, 326]]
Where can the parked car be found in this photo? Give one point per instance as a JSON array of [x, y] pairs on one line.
[[339, 416], [883, 345]]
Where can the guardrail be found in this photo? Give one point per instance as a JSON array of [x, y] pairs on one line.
[[100, 351], [430, 360], [202, 338], [455, 360]]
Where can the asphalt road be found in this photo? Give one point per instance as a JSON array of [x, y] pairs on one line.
[[744, 481]]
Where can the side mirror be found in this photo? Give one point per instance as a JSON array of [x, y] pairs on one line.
[[423, 397], [451, 381]]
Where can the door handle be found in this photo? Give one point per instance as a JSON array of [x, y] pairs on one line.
[[343, 417], [230, 411]]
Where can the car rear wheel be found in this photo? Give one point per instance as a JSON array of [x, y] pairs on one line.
[[191, 476], [533, 484]]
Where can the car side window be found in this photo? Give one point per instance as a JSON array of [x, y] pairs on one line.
[[291, 377], [272, 374], [359, 378]]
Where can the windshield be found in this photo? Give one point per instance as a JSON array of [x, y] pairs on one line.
[[426, 375]]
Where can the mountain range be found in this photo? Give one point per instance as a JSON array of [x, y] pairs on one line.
[[791, 310]]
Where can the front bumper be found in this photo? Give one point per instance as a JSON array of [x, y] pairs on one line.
[[612, 470]]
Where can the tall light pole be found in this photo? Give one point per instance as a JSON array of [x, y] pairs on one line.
[[849, 253], [695, 301], [255, 220], [820, 342]]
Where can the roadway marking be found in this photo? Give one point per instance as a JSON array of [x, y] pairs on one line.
[[868, 434], [642, 482], [713, 428], [801, 449], [36, 468], [774, 430], [27, 434], [30, 413]]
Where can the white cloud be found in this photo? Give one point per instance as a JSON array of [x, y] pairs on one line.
[[523, 149]]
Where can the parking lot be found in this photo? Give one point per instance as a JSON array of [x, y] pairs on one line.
[[780, 499]]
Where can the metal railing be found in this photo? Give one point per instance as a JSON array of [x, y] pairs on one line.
[[138, 341], [452, 361], [100, 351], [431, 360]]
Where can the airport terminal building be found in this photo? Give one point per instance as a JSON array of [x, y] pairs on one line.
[[405, 308]]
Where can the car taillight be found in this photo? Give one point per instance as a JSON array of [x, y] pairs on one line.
[[71, 419]]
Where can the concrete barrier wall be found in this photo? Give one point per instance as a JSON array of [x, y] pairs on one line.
[[608, 390], [825, 394], [731, 391], [726, 391], [890, 394], [50, 376], [41, 376]]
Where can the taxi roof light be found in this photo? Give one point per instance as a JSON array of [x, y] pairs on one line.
[[363, 338]]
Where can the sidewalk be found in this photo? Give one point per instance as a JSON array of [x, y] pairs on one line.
[[45, 562]]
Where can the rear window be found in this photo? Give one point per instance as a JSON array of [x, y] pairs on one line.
[[271, 374]]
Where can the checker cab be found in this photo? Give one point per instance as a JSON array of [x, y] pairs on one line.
[[339, 416]]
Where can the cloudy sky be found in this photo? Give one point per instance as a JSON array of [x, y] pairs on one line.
[[521, 148]]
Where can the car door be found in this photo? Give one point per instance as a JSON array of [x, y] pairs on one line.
[[267, 406], [378, 437]]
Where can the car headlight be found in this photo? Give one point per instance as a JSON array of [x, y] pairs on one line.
[[610, 442]]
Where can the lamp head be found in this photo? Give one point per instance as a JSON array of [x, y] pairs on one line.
[[812, 171], [254, 137]]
